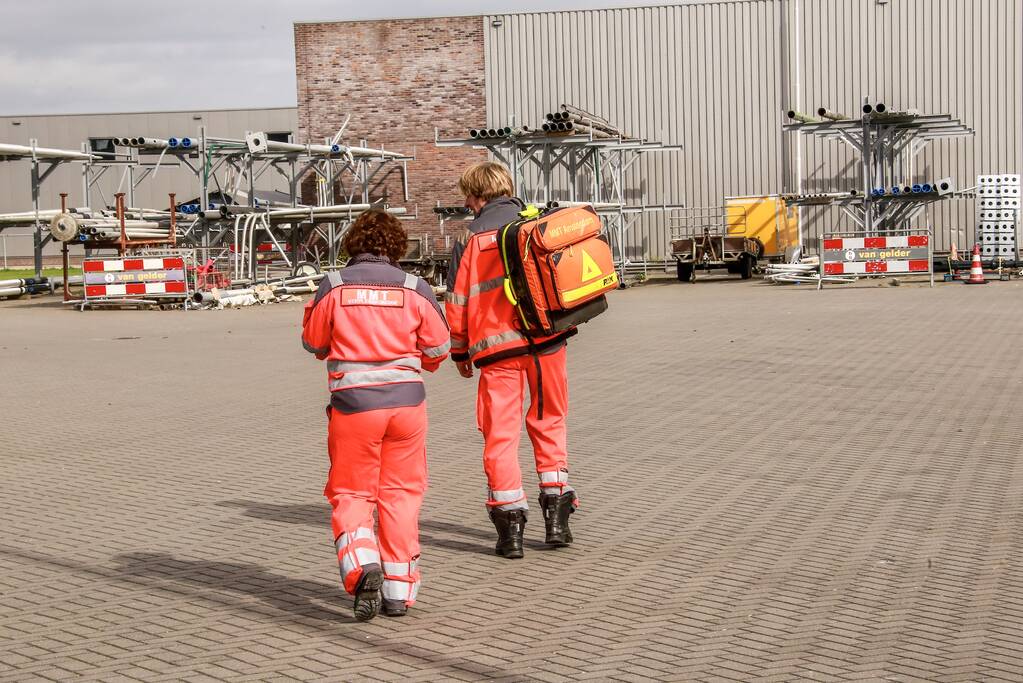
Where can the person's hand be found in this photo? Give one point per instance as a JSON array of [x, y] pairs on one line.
[[464, 368]]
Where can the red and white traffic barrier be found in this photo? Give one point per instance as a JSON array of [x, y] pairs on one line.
[[116, 265]]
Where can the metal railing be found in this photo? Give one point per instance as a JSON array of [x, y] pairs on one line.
[[715, 221]]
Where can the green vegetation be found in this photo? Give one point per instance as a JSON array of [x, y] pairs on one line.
[[21, 273]]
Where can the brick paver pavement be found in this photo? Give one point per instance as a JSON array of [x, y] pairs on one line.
[[777, 484]]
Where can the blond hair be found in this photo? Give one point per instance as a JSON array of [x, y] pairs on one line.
[[486, 180]]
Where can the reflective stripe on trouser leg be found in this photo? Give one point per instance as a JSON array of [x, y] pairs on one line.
[[554, 482], [401, 581], [507, 500], [402, 484], [549, 435], [354, 443], [499, 401], [354, 551]]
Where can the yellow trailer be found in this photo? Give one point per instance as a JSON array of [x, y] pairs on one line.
[[767, 219], [736, 236]]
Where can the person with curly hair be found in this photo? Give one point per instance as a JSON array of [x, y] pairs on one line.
[[378, 328]]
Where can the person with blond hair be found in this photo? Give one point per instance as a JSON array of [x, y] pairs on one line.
[[378, 328], [485, 334]]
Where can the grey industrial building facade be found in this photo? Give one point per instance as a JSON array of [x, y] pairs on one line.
[[713, 76], [717, 78]]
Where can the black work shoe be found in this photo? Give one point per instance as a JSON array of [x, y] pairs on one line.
[[394, 608], [556, 509], [509, 524], [367, 593]]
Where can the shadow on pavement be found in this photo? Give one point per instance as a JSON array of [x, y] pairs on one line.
[[295, 596], [318, 515], [215, 583]]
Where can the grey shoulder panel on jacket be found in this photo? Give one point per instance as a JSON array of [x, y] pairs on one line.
[[423, 289]]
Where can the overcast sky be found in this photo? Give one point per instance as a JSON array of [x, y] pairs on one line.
[[78, 56]]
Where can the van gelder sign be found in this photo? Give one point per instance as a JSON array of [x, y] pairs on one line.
[[869, 255], [134, 276]]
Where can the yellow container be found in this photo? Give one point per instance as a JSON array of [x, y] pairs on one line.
[[766, 218]]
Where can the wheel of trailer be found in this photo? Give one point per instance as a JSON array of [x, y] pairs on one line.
[[304, 268], [746, 266], [685, 272]]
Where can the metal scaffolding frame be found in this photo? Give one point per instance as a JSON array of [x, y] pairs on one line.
[[227, 168], [887, 145], [593, 169], [43, 163]]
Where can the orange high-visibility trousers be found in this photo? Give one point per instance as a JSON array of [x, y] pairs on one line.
[[378, 461], [499, 401]]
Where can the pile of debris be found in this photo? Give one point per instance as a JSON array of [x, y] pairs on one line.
[[802, 270], [239, 296]]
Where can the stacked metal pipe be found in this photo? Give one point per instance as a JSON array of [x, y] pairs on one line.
[[22, 286], [495, 133], [101, 227], [572, 120], [452, 211]]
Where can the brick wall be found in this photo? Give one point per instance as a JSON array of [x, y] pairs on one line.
[[399, 80]]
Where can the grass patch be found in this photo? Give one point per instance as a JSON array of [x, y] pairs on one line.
[[22, 273]]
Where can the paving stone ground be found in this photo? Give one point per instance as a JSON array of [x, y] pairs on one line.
[[777, 484]]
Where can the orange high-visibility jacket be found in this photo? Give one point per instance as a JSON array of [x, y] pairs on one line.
[[483, 322], [378, 328]]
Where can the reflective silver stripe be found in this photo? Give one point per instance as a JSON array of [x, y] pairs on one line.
[[355, 379], [363, 366], [509, 496], [401, 568], [517, 505], [457, 299], [504, 337], [334, 278], [399, 590], [556, 477], [410, 281], [313, 349], [351, 561], [486, 286], [344, 539], [435, 351]]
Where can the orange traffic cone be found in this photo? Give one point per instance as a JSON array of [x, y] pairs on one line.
[[976, 271]]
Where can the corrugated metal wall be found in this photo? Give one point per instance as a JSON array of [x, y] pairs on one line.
[[716, 77]]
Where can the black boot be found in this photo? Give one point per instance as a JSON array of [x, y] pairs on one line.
[[394, 608], [367, 592], [509, 525], [556, 510]]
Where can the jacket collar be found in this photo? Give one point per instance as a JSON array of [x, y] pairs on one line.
[[499, 203], [369, 258]]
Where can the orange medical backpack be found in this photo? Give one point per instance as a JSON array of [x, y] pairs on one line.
[[557, 268]]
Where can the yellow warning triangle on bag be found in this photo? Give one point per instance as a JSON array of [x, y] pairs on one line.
[[590, 268]]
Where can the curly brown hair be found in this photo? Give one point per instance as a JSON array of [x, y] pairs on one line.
[[376, 232]]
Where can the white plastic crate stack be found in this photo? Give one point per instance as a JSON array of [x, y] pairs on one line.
[[998, 213]]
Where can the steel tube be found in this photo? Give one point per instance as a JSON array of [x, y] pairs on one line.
[[801, 117], [826, 113], [43, 153]]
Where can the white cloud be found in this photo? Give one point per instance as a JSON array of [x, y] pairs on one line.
[[61, 56]]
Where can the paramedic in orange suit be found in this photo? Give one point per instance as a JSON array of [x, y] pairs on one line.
[[378, 328], [484, 334]]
